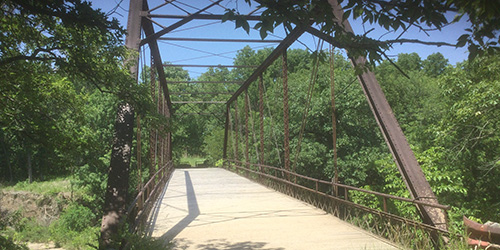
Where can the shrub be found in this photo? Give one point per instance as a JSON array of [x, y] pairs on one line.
[[76, 218]]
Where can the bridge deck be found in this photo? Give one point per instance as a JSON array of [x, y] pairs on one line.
[[216, 209]]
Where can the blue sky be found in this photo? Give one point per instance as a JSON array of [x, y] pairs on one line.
[[181, 52]]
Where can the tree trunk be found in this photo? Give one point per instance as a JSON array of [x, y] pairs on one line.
[[7, 159], [30, 167], [118, 177]]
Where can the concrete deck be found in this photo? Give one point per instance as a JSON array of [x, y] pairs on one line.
[[215, 209]]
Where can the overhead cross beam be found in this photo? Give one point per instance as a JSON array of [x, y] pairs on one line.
[[201, 17], [209, 82], [176, 25], [209, 66], [198, 102], [227, 40], [201, 93]]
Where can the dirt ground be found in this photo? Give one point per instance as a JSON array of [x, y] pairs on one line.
[[44, 208], [30, 205], [43, 246]]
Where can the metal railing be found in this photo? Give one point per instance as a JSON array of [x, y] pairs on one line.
[[139, 209], [335, 198]]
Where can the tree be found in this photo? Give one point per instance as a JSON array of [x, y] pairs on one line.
[[392, 16], [435, 64], [468, 131], [68, 40], [51, 52]]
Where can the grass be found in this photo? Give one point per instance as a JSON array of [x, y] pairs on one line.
[[72, 230], [192, 160], [50, 187]]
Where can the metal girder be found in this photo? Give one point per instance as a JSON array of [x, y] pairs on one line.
[[194, 113], [209, 66], [226, 129], [176, 25], [201, 93], [227, 40], [201, 17], [294, 35], [198, 102], [411, 171], [231, 82], [148, 28]]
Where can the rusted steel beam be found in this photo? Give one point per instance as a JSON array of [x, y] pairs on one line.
[[176, 25], [486, 236], [201, 93], [294, 35], [183, 114], [147, 26], [226, 128], [217, 40], [200, 17], [411, 171], [159, 6], [286, 129], [231, 82], [198, 102], [209, 66]]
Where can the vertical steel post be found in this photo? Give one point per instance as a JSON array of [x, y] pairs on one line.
[[261, 118], [334, 122], [236, 131], [226, 129], [285, 115], [153, 133], [247, 160]]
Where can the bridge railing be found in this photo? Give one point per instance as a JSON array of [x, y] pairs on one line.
[[336, 198], [139, 209]]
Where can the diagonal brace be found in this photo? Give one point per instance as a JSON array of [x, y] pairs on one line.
[[176, 25], [292, 37]]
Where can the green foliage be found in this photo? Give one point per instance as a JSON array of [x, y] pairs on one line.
[[482, 38], [138, 242], [469, 131], [76, 218], [49, 187], [69, 239], [213, 143], [8, 243]]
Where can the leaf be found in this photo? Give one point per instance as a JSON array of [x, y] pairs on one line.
[[229, 15], [346, 15], [263, 33], [473, 52], [462, 40]]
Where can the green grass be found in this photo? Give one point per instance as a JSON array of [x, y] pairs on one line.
[[50, 187], [192, 160]]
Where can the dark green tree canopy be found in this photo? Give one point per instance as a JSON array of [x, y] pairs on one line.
[[393, 16], [69, 36]]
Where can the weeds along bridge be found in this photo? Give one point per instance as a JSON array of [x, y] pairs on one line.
[[217, 209]]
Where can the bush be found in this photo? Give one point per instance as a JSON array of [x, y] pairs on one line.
[[75, 228], [8, 243], [29, 229], [137, 242], [76, 218]]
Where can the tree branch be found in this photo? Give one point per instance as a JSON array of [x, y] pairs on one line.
[[401, 41], [33, 57]]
